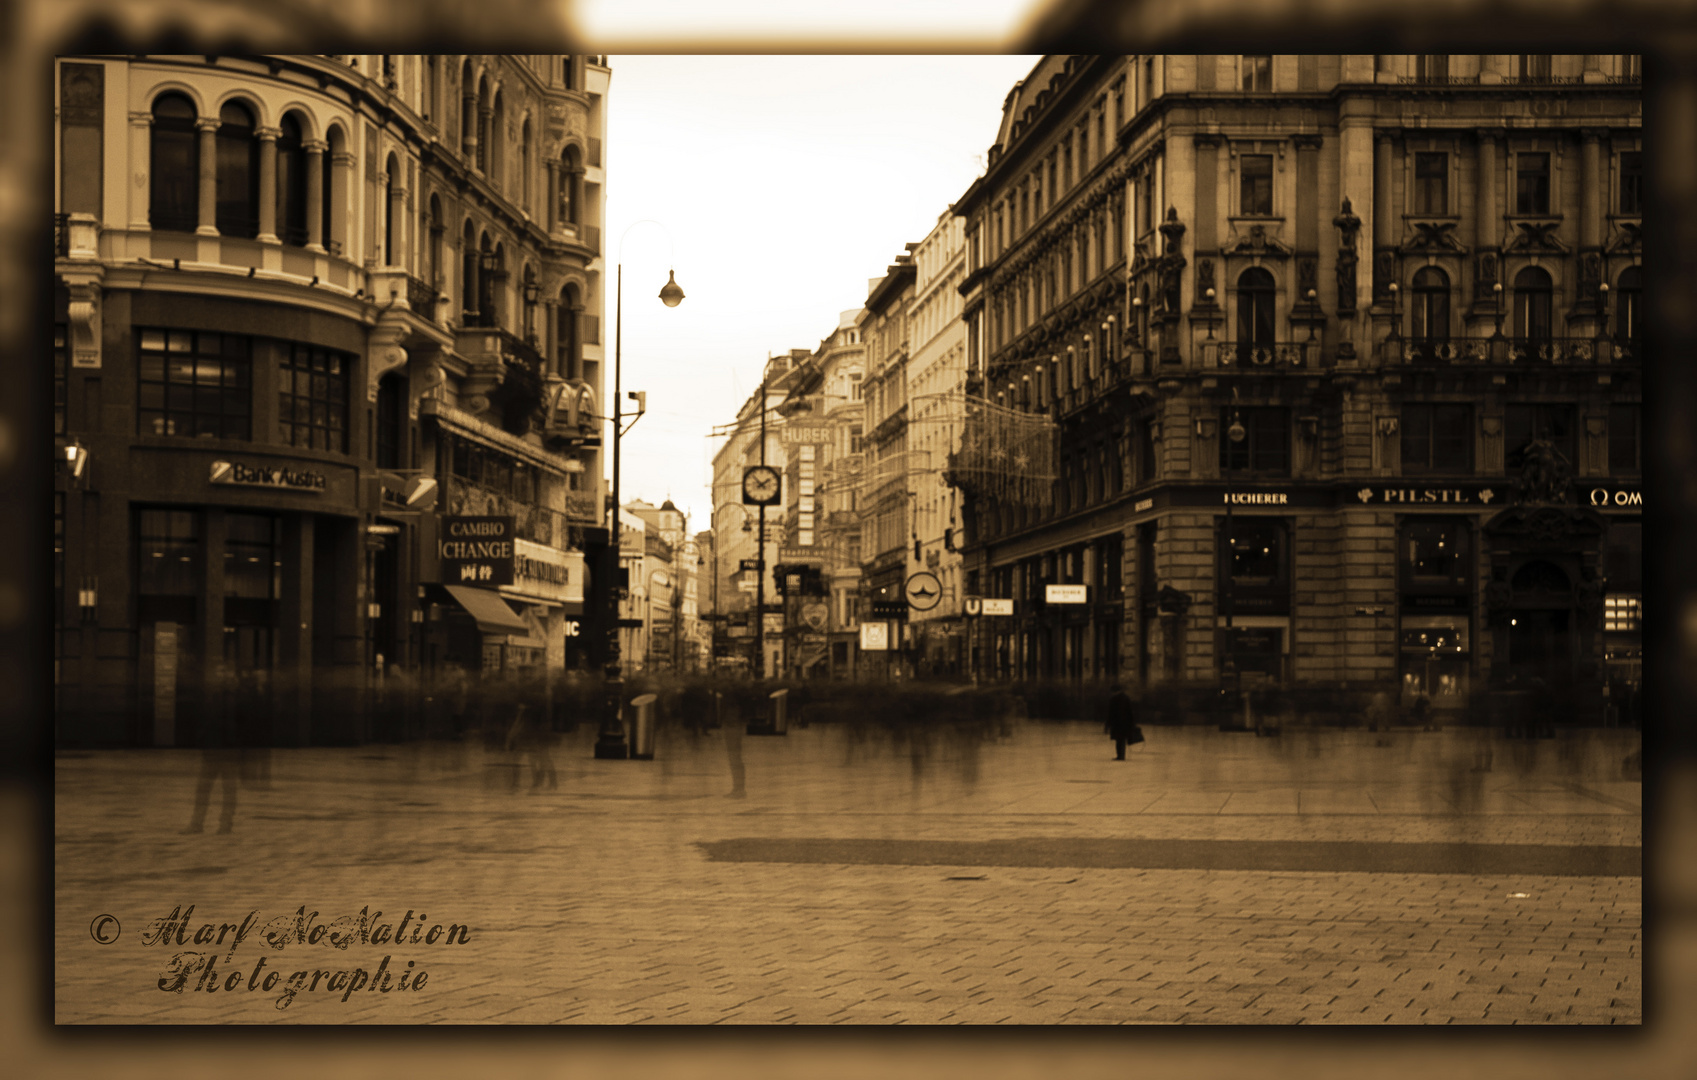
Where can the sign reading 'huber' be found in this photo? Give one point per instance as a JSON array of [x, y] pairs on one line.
[[476, 550]]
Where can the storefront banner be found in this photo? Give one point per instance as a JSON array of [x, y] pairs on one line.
[[269, 476], [547, 573]]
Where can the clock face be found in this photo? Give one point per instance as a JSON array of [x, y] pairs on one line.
[[760, 485]]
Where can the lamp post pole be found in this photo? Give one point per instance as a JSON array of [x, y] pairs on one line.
[[1235, 435], [610, 740], [760, 548]]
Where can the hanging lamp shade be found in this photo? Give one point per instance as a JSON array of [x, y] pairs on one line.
[[671, 295]]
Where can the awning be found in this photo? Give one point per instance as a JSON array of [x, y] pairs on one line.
[[491, 612]]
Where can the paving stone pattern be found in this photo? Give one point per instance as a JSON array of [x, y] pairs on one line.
[[634, 892]]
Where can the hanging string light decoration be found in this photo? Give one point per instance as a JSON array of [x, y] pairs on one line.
[[1005, 454]]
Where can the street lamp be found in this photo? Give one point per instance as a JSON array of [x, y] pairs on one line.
[[610, 741], [1235, 434]]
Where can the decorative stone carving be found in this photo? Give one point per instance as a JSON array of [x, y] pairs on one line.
[[1544, 474], [1433, 236], [1349, 226], [1538, 236]]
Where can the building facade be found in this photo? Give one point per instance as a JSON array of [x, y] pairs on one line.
[[1341, 358], [887, 542], [936, 396], [327, 354]]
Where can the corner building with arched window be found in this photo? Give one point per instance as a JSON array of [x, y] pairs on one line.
[[1324, 372], [313, 313]]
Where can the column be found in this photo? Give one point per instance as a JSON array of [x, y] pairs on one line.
[[208, 129], [141, 149], [486, 123], [341, 166], [268, 185], [553, 211], [315, 196], [468, 134]]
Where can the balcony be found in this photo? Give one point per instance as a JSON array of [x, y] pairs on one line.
[[1247, 356], [422, 298], [1532, 352]]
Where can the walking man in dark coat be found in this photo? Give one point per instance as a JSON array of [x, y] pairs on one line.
[[1120, 724]]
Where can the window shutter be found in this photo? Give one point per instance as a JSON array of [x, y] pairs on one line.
[[595, 153], [591, 329]]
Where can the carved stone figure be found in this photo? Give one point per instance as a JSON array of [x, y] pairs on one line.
[[1349, 226], [1544, 474]]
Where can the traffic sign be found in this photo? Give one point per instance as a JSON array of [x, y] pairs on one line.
[[749, 564], [973, 605]]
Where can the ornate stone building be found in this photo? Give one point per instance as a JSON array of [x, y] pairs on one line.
[[1338, 360], [312, 312]]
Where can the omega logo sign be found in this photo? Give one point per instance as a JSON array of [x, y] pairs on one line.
[[1620, 497]]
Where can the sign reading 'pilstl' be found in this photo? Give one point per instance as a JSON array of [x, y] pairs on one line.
[[476, 550]]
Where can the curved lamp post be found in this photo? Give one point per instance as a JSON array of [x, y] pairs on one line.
[[610, 740]]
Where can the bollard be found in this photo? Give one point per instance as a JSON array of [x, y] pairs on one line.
[[780, 712], [642, 727]]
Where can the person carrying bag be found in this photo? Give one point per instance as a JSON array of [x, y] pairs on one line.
[[1121, 725]]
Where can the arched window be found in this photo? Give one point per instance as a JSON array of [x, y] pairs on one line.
[[570, 360], [483, 125], [1628, 305], [468, 276], [174, 166], [391, 227], [498, 141], [291, 183], [433, 250], [571, 172], [1430, 317], [566, 74], [468, 112], [1532, 304], [336, 147], [238, 172], [529, 295], [526, 166], [487, 266], [1255, 309]]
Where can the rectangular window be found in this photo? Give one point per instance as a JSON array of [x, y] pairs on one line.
[[1623, 614], [1265, 447], [168, 553], [1432, 67], [1256, 185], [1145, 451], [252, 569], [312, 398], [1522, 424], [1435, 551], [194, 384], [1625, 440], [1431, 183], [1148, 80], [1631, 182], [1535, 67], [61, 373], [1437, 438], [1532, 184], [1258, 73]]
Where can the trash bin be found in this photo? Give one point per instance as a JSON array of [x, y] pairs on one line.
[[780, 723], [642, 727]]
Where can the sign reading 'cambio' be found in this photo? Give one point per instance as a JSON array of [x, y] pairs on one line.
[[476, 550]]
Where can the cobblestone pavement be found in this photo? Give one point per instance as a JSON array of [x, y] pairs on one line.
[[644, 892]]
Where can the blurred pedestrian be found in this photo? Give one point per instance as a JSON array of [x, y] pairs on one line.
[[1121, 724]]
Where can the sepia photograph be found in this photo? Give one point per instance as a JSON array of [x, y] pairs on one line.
[[1047, 539]]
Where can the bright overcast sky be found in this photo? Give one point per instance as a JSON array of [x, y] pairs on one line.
[[786, 183]]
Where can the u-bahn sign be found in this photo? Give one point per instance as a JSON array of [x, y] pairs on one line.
[[476, 550]]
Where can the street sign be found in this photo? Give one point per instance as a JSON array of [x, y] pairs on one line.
[[749, 564], [998, 607], [923, 591], [874, 637], [1066, 594]]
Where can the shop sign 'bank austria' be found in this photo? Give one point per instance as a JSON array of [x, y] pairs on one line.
[[236, 473]]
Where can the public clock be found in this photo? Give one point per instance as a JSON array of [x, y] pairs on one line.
[[760, 484]]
